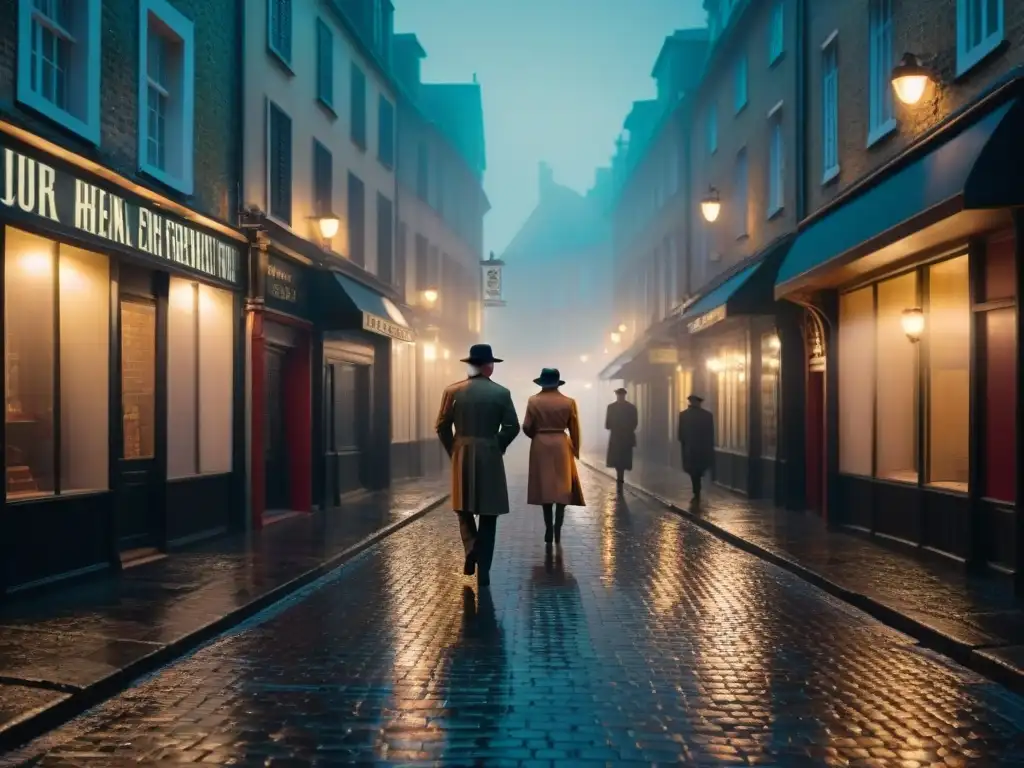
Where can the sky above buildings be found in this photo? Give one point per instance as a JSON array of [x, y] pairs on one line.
[[558, 78]]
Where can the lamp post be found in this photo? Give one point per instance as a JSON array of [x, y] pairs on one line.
[[910, 79]]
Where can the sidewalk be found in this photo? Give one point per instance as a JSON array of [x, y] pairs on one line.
[[974, 619], [64, 651]]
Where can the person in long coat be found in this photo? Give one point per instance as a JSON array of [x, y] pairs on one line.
[[620, 420], [476, 424], [554, 482], [696, 435]]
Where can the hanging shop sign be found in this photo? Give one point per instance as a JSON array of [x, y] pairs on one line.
[[492, 282], [376, 324], [815, 344], [705, 321], [663, 356], [35, 190]]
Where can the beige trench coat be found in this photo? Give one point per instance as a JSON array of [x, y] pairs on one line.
[[553, 453], [476, 423]]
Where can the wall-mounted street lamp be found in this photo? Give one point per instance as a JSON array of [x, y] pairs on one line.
[[429, 296], [910, 79], [616, 337], [711, 205], [912, 321], [327, 224], [622, 328]]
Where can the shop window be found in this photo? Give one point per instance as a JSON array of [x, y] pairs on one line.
[[43, 315], [729, 367], [403, 392], [897, 382], [59, 61], [200, 357], [770, 365], [948, 327], [166, 94], [856, 381], [999, 457]]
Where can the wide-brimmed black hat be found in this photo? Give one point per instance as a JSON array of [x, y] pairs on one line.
[[621, 391], [481, 354], [695, 399], [549, 377]]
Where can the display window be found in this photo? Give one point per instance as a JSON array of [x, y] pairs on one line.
[[728, 365]]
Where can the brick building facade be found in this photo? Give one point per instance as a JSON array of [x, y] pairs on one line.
[[124, 280]]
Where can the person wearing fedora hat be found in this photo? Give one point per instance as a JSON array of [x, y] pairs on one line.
[[476, 424], [696, 434], [554, 482], [621, 421]]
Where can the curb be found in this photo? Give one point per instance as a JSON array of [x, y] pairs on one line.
[[39, 722], [967, 655]]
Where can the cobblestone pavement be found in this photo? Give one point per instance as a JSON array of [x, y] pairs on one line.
[[643, 640]]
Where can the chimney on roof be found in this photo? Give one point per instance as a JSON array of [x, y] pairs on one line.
[[546, 179]]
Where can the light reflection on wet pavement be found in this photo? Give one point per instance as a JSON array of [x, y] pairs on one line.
[[643, 639]]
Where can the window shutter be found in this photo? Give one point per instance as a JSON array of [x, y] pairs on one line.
[[325, 63], [280, 165], [323, 178]]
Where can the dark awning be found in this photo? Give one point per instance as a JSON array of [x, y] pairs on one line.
[[967, 171], [747, 292], [347, 303]]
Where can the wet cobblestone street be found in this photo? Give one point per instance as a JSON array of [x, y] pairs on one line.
[[643, 639]]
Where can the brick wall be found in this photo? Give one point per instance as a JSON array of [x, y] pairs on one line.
[[767, 85], [217, 112], [927, 28]]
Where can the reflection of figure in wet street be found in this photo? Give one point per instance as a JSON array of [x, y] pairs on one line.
[[621, 422], [476, 423], [553, 478]]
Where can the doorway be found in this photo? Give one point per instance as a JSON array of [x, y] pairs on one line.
[[347, 408], [275, 447], [138, 496]]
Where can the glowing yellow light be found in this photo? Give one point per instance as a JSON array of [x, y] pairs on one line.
[[622, 327], [615, 337], [912, 321], [910, 79], [430, 295], [328, 226], [36, 264], [429, 352], [584, 358]]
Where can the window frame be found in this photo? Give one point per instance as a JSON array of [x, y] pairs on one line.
[[830, 108], [358, 128], [712, 128], [325, 65], [284, 57], [355, 183], [323, 182], [88, 127], [741, 84], [776, 162], [777, 33], [741, 193], [269, 159], [881, 107], [923, 377], [968, 58], [182, 27]]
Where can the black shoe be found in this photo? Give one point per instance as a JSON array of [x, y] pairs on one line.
[[469, 566]]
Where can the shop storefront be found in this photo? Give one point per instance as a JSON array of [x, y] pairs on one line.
[[736, 333], [915, 277], [122, 352], [329, 360]]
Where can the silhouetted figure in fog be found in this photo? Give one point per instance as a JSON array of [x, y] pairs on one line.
[[620, 420], [696, 435], [554, 481], [476, 423]]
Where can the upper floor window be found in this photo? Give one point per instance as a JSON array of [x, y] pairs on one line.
[[324, 64], [776, 32], [356, 220], [279, 29], [59, 62], [386, 132], [741, 83], [279, 163], [740, 196], [829, 110], [712, 129], [323, 180], [166, 94], [979, 31], [880, 115], [776, 161], [358, 107]]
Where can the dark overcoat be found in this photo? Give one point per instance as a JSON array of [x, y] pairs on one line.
[[552, 423], [476, 423], [696, 434], [620, 420]]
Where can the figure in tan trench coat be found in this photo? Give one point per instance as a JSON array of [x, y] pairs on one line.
[[554, 481], [476, 424]]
